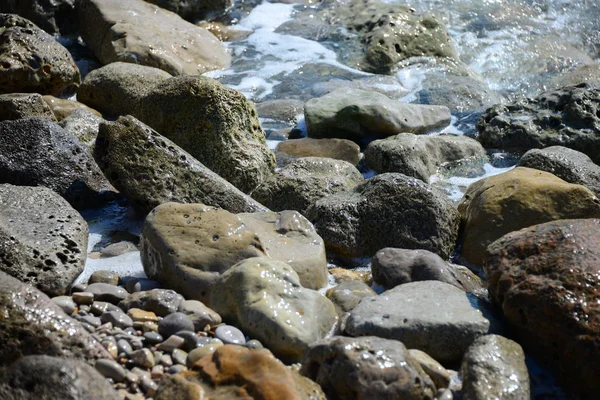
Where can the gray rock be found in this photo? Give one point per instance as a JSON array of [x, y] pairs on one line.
[[230, 335], [432, 316], [111, 369], [440, 376], [304, 181], [66, 303], [24, 105], [264, 298], [203, 350], [117, 249], [191, 340], [421, 156], [162, 302], [392, 267], [366, 368], [254, 344], [388, 210], [53, 17], [83, 125], [38, 152], [494, 367], [173, 323], [106, 292], [284, 110], [143, 358], [348, 294], [117, 318], [141, 33], [150, 170], [100, 307], [32, 61], [43, 241], [123, 346], [54, 378], [565, 117], [360, 114], [152, 338], [338, 149], [569, 165], [89, 319], [173, 342], [194, 10], [104, 276], [179, 356], [199, 314]]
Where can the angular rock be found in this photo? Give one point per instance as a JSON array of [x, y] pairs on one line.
[[24, 105], [62, 108], [338, 149], [565, 117], [348, 294], [284, 110], [31, 324], [215, 124], [494, 206], [235, 372], [84, 125], [494, 367], [54, 378], [141, 33], [194, 10], [66, 304], [388, 210], [265, 299], [150, 170], [38, 152], [431, 316], [43, 241], [116, 88], [106, 292], [366, 367], [567, 164], [421, 156], [545, 280], [438, 374], [162, 302], [187, 246], [361, 114], [57, 16], [392, 267], [32, 61], [200, 314], [301, 183]]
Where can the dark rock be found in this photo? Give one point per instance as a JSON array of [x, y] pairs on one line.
[[24, 105], [173, 323], [56, 16], [107, 292], [162, 302], [348, 294], [338, 149], [195, 9]]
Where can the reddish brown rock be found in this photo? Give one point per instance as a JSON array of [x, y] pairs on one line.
[[546, 279], [235, 372]]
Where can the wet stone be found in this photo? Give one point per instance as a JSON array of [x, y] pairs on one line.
[[83, 297], [230, 335], [153, 338], [111, 347], [117, 318], [66, 303], [105, 292], [100, 307], [191, 340], [179, 356], [143, 358], [90, 319], [205, 350], [174, 323], [111, 369], [254, 344], [139, 315], [165, 360], [123, 346], [175, 369], [172, 343], [103, 276]]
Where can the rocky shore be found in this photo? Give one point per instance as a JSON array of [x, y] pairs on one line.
[[300, 242]]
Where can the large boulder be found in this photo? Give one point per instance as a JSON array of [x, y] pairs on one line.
[[265, 299], [150, 170], [494, 368], [421, 156], [141, 33], [235, 372], [215, 124], [116, 89], [565, 117], [32, 61], [32, 324], [432, 316], [43, 241], [361, 114], [38, 152], [568, 164], [301, 183], [24, 105], [366, 368], [187, 246], [56, 16], [194, 10], [545, 280], [54, 378], [62, 108], [339, 149], [388, 210], [494, 206]]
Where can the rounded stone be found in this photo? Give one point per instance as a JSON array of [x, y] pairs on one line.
[[152, 338], [202, 351], [104, 276], [111, 369], [66, 303], [118, 318], [230, 335], [173, 323]]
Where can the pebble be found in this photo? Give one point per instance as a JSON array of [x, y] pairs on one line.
[[90, 319], [191, 340], [148, 386], [165, 360], [138, 285], [105, 292], [139, 315], [143, 358], [173, 323], [124, 347], [172, 343], [152, 338], [149, 327], [254, 344], [157, 372], [83, 297], [175, 369], [200, 352], [99, 307], [104, 276], [66, 303], [179, 356], [111, 347], [111, 369], [78, 288], [230, 335], [118, 318]]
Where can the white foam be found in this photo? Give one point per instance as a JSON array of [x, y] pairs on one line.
[[456, 186], [128, 264]]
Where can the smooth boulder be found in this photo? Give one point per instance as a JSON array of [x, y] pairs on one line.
[[494, 206], [43, 240], [338, 149], [265, 299]]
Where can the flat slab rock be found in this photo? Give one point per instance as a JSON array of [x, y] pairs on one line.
[[431, 316]]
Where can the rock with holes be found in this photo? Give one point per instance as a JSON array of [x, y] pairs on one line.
[[366, 368], [138, 32], [362, 114], [304, 181], [187, 246], [215, 124], [32, 61], [24, 105], [32, 324], [38, 152], [150, 170], [265, 299], [43, 240], [546, 280]]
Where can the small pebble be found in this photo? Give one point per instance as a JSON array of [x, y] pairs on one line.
[[254, 344], [123, 346], [141, 372], [150, 327], [173, 323], [200, 352], [179, 356], [175, 369], [137, 314], [83, 297], [78, 288], [148, 386], [105, 292], [66, 303], [136, 344], [99, 307], [141, 284], [110, 369], [165, 360], [157, 372], [191, 340], [118, 318], [93, 321], [152, 338], [230, 335], [103, 276], [111, 347], [143, 358], [172, 343], [105, 328]]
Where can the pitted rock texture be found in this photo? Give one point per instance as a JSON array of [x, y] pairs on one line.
[[43, 241], [546, 279], [24, 105], [566, 117], [32, 61], [138, 32], [151, 170]]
